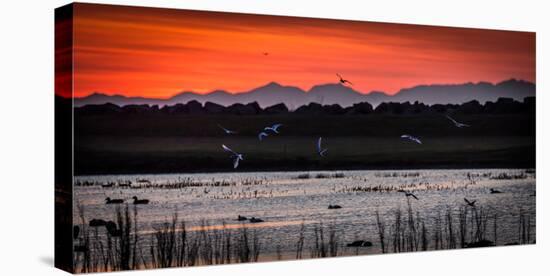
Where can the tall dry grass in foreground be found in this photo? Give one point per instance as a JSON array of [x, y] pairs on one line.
[[170, 245], [108, 248], [324, 244], [120, 246], [464, 227]]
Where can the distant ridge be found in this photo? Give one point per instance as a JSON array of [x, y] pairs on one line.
[[331, 93]]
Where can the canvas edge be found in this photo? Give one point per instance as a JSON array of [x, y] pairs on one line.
[[63, 118]]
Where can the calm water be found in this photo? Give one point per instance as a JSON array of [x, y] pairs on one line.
[[286, 200]]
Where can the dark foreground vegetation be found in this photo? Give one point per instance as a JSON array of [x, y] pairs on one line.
[[119, 245], [188, 137]]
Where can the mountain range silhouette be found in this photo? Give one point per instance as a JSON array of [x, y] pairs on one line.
[[294, 97]]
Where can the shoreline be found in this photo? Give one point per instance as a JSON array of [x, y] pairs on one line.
[[370, 168]]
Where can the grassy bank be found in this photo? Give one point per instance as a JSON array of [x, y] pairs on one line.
[[163, 143], [101, 155]]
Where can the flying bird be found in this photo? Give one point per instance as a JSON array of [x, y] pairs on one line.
[[412, 138], [236, 156], [407, 194], [227, 131], [457, 124], [470, 203], [493, 191], [342, 80], [262, 135], [320, 150], [274, 128]]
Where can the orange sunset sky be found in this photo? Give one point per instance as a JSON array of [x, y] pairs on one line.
[[160, 52]]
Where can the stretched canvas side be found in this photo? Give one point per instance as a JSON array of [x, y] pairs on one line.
[[63, 138]]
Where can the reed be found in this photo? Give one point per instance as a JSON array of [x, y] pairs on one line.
[[248, 248], [319, 247], [450, 229], [424, 238], [172, 244], [300, 242], [180, 183], [524, 225], [381, 232], [164, 251], [507, 176]]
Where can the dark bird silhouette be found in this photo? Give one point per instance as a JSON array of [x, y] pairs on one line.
[[255, 220], [335, 207], [76, 232], [96, 223], [108, 200], [359, 243], [140, 201], [470, 203], [493, 191], [407, 194], [342, 80], [112, 229], [241, 218]]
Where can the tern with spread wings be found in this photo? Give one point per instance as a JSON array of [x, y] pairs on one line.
[[236, 156]]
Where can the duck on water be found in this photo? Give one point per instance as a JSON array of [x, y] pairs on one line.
[[140, 201]]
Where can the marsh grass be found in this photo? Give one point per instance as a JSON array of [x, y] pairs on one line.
[[381, 232], [108, 250], [180, 183], [326, 242], [423, 186], [320, 175], [172, 244], [464, 227], [300, 242], [524, 231], [508, 176], [398, 174]]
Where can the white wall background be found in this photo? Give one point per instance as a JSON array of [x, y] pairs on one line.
[[27, 139]]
